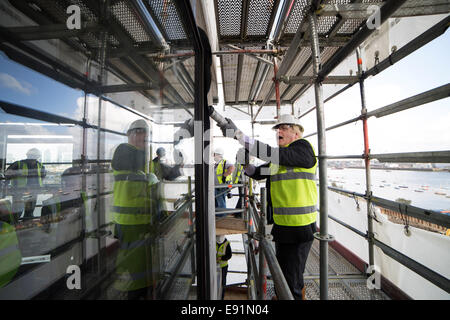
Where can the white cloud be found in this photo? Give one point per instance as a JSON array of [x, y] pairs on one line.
[[10, 82]]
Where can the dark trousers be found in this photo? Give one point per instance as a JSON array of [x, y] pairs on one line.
[[224, 280], [292, 259]]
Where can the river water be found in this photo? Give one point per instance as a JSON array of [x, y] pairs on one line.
[[425, 189]]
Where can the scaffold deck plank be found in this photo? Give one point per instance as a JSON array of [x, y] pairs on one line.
[[230, 225]]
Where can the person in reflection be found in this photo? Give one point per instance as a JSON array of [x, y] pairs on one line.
[[134, 206], [26, 179], [224, 253], [224, 171], [163, 170], [292, 193]]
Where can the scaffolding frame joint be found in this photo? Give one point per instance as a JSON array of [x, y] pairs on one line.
[[326, 237], [368, 195]]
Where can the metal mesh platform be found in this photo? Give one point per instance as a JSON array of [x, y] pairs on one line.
[[345, 281]]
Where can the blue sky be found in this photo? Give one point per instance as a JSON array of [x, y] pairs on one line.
[[23, 86]]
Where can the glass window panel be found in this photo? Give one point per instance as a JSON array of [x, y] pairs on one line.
[[66, 219]]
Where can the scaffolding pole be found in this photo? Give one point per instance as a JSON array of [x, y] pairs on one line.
[[366, 156], [262, 283], [323, 236], [277, 86], [100, 204]]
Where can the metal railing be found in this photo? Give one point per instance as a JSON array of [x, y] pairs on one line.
[[265, 252], [408, 210], [320, 74], [99, 232], [259, 252], [414, 101]]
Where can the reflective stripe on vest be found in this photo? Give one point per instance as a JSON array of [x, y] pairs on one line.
[[23, 178], [132, 200], [221, 250], [293, 193]]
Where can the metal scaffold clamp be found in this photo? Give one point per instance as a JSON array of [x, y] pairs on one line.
[[327, 237], [256, 236], [259, 237]]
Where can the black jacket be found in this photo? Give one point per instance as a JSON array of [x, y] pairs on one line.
[[128, 157], [297, 154], [164, 171]]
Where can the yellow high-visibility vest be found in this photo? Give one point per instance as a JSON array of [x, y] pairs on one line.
[[219, 173], [21, 180], [133, 203], [134, 198], [293, 193], [221, 250]]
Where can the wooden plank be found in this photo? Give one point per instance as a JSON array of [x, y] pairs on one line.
[[233, 293], [230, 225]]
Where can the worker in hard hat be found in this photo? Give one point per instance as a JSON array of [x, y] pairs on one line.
[[224, 171], [134, 207], [26, 178], [162, 170], [223, 254], [290, 171]]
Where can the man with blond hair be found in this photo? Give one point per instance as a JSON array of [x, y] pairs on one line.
[[292, 193]]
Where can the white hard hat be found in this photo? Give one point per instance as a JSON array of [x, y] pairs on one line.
[[161, 151], [287, 119], [218, 151], [138, 124], [33, 153]]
